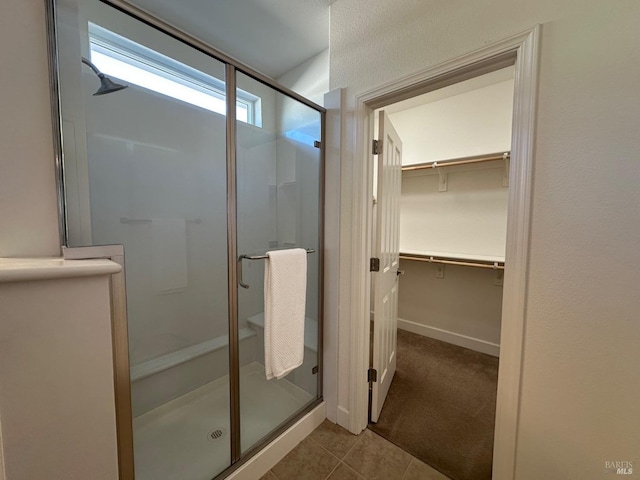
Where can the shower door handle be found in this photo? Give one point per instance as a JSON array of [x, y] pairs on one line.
[[239, 271], [255, 257]]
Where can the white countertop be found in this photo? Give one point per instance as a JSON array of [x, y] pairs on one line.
[[28, 269]]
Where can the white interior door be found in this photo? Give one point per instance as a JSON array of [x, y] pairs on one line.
[[385, 304]]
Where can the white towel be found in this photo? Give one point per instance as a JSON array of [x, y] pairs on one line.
[[169, 271], [285, 289]]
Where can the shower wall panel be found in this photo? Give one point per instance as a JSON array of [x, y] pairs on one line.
[[155, 162]]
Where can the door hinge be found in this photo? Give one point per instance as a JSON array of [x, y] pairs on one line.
[[374, 264], [376, 146], [317, 144], [372, 375], [314, 370]]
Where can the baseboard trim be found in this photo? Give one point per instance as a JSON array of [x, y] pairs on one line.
[[343, 417], [458, 339], [262, 462]]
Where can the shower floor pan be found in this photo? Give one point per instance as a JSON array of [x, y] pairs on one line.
[[189, 438]]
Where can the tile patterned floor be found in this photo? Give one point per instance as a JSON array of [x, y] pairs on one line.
[[332, 453]]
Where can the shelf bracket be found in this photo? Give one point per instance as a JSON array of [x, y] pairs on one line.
[[442, 180], [439, 270], [506, 158]]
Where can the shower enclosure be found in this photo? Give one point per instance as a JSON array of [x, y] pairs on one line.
[[197, 168]]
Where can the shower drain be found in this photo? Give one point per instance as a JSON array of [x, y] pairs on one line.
[[216, 434]]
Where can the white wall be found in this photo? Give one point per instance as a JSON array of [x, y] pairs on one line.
[[463, 307], [56, 371], [309, 79], [580, 386], [28, 211], [471, 123], [469, 219]]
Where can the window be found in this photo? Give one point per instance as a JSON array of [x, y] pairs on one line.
[[131, 62]]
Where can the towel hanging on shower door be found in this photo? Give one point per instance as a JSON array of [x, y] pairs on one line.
[[285, 288]]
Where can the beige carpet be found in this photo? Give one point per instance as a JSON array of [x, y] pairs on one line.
[[441, 406]]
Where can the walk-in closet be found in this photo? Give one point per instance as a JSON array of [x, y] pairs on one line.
[[455, 148]]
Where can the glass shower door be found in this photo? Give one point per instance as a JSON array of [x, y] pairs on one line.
[[145, 167], [149, 164], [279, 177]]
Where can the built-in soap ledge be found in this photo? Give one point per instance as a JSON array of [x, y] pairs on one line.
[[29, 269], [184, 355]]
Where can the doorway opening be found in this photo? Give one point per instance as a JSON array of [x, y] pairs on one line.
[[521, 52], [440, 183]]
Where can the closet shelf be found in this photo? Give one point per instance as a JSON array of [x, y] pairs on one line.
[[479, 261], [491, 157]]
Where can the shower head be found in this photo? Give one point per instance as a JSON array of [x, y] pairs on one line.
[[106, 84]]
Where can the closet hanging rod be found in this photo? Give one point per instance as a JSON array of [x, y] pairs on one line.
[[134, 221], [459, 161], [491, 265]]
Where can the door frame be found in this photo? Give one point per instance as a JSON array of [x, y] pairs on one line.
[[522, 51]]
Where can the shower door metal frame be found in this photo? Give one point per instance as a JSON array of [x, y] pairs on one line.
[[232, 253], [120, 349], [120, 332]]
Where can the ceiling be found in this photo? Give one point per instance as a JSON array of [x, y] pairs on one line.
[[271, 36], [459, 88]]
